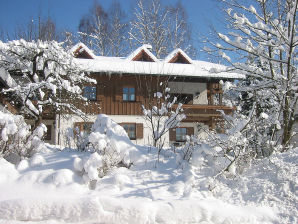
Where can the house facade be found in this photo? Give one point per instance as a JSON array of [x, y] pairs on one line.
[[125, 84]]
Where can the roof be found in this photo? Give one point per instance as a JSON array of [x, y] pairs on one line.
[[167, 67]]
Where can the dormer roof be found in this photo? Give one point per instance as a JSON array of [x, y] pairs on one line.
[[178, 56], [80, 50], [143, 53]]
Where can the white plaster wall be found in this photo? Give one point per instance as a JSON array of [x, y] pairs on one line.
[[68, 122], [191, 88]]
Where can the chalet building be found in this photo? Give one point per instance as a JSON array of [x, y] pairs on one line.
[[125, 84]]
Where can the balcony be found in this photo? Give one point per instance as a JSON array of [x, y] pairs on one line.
[[208, 114]]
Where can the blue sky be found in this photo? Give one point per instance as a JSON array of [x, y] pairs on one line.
[[67, 13]]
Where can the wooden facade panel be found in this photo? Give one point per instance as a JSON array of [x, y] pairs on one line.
[[110, 97]]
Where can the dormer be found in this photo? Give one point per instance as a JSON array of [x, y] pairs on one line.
[[80, 50], [178, 56], [143, 53]]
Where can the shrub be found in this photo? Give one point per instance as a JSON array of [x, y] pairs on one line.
[[17, 141]]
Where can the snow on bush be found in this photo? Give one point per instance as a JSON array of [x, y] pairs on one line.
[[17, 141], [109, 146]]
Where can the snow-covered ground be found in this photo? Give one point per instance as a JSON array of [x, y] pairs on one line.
[[47, 189]]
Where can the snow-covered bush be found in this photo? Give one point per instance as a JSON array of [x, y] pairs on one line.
[[78, 138], [234, 150], [110, 147], [17, 140], [162, 115]]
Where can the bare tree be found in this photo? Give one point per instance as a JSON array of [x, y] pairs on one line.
[[179, 29], [37, 29], [149, 26], [104, 32], [165, 28], [161, 115], [118, 30]]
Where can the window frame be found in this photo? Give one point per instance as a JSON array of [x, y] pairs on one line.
[[128, 93], [128, 132], [81, 127], [89, 94], [182, 135]]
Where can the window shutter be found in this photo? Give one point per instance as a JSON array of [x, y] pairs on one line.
[[139, 130], [190, 131], [118, 93], [172, 134]]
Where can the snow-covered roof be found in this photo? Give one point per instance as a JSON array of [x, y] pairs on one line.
[[118, 65], [199, 69]]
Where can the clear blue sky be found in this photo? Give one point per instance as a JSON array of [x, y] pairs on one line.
[[67, 13]]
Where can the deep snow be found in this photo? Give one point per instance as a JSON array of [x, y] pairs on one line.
[[47, 189]]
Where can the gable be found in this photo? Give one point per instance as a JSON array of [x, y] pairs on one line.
[[143, 56], [82, 53], [179, 58]]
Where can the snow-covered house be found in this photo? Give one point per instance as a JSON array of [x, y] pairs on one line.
[[125, 84]]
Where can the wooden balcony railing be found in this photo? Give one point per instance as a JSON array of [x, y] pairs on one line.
[[204, 113]]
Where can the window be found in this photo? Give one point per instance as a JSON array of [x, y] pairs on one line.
[[84, 127], [130, 130], [90, 92], [129, 94], [181, 134]]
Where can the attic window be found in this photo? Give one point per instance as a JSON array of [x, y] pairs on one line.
[[179, 58], [143, 56]]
